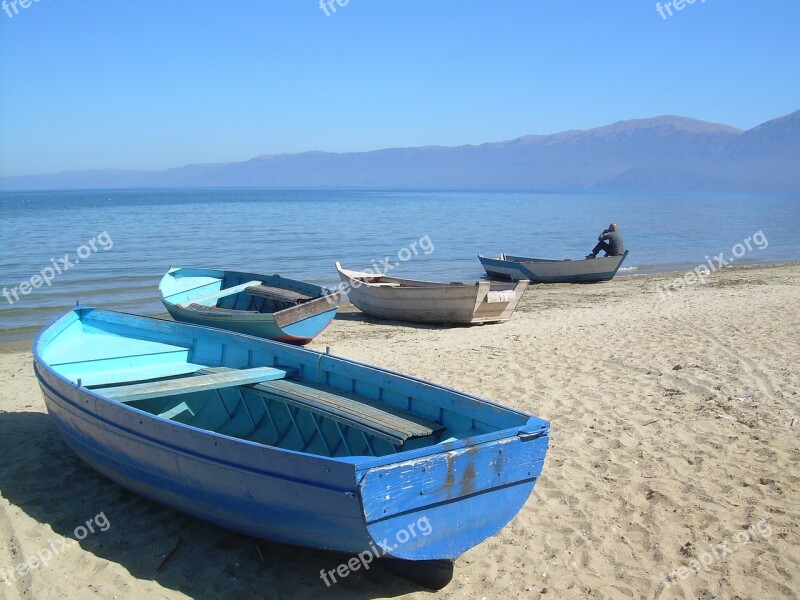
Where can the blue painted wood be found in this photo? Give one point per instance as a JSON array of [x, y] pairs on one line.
[[401, 488], [208, 298], [392, 424], [236, 301], [211, 381], [306, 329], [406, 391], [459, 485]]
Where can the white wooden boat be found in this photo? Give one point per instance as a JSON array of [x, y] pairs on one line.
[[416, 301]]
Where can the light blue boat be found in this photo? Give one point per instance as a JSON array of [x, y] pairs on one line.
[[284, 443], [267, 306]]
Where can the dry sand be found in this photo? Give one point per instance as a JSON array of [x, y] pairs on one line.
[[674, 440]]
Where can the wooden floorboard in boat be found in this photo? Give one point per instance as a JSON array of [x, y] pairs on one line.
[[276, 293], [395, 424], [382, 419]]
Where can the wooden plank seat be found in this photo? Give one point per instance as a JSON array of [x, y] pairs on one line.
[[377, 418], [276, 293], [220, 294], [198, 383], [139, 374]]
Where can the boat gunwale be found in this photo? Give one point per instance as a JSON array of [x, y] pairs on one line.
[[251, 316], [358, 465], [429, 285], [407, 284], [510, 258], [533, 426], [322, 291], [244, 316]]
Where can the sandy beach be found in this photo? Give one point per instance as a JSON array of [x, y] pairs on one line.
[[672, 471]]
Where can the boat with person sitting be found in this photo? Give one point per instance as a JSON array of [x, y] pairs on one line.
[[268, 306], [287, 444], [399, 299], [539, 270]]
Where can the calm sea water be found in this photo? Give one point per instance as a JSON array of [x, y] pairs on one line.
[[139, 234]]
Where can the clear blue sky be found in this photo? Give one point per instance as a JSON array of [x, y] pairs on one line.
[[152, 84]]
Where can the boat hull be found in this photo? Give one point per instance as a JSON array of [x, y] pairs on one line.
[[296, 325], [515, 268], [430, 302], [431, 503], [263, 326], [252, 489]]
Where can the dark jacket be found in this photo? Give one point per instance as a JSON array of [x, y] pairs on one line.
[[614, 239]]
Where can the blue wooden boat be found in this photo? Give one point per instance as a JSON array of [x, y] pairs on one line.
[[267, 306], [284, 443], [539, 270]]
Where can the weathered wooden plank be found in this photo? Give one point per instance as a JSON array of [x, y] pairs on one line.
[[427, 302], [220, 294], [390, 421], [406, 486], [176, 410], [216, 380], [314, 307], [133, 372], [276, 293]]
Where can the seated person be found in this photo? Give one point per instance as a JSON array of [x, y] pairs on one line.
[[610, 241]]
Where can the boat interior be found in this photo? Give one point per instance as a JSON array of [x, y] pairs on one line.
[[260, 391], [231, 291], [386, 281], [380, 280], [255, 297]]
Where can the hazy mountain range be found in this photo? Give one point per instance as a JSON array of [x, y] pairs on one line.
[[665, 153]]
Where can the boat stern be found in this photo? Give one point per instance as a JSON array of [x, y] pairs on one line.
[[439, 506]]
